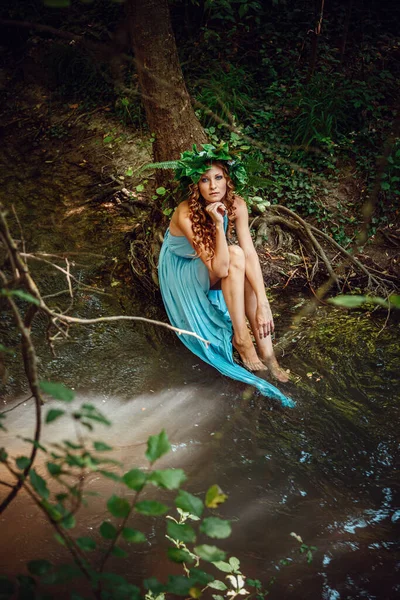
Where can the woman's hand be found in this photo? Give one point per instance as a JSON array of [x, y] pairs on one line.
[[265, 322], [216, 210]]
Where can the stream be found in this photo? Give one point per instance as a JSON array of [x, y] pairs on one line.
[[326, 470]]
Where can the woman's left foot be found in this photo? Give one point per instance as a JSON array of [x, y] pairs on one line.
[[275, 370]]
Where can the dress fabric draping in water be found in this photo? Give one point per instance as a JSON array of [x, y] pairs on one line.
[[193, 306]]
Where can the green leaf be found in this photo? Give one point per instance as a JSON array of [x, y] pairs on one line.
[[57, 390], [210, 553], [161, 191], [73, 446], [118, 507], [3, 455], [53, 414], [108, 531], [129, 172], [348, 301], [200, 576], [54, 469], [39, 567], [154, 585], [215, 496], [6, 350], [39, 484], [189, 503], [68, 522], [34, 443], [135, 479], [179, 555], [151, 508], [89, 411], [22, 295], [235, 563], [86, 544], [133, 535], [216, 528], [22, 462], [101, 447], [157, 446], [217, 585], [394, 299], [223, 566], [61, 576], [108, 139], [117, 551], [169, 479], [179, 585], [110, 475], [140, 187], [59, 539], [181, 532]]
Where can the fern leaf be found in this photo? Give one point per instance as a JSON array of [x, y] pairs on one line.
[[169, 164]]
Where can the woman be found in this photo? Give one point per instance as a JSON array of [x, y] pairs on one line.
[[209, 286]]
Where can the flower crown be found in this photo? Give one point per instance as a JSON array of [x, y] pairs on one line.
[[192, 164]]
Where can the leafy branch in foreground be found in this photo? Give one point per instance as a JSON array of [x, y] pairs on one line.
[[60, 495]]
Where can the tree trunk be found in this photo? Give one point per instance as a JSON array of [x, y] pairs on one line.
[[167, 103]]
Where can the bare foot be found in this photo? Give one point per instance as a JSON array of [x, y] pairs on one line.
[[276, 371], [248, 355]]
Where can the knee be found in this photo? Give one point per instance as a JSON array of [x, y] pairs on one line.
[[236, 257]]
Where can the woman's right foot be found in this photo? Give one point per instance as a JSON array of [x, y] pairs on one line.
[[248, 355], [276, 371]]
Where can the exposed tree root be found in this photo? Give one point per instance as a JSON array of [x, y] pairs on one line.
[[280, 217]]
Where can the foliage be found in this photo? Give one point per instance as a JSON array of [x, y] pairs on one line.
[[303, 129], [356, 301], [192, 164], [60, 495]]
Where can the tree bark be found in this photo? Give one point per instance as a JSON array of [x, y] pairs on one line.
[[167, 103]]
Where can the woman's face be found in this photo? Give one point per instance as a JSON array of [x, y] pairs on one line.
[[212, 184]]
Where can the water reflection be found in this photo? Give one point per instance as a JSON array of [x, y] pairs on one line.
[[325, 470]]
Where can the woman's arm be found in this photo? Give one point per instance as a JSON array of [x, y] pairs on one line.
[[218, 266], [253, 268]]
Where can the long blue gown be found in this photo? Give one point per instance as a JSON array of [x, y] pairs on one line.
[[193, 306]]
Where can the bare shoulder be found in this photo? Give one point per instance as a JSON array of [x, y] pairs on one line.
[[180, 219], [183, 208], [240, 206]]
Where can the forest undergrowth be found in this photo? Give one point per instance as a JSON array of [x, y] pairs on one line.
[[309, 101]]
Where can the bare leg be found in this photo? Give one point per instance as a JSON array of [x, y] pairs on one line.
[[264, 345], [233, 289]]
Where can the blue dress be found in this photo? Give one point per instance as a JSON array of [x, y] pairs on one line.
[[191, 305]]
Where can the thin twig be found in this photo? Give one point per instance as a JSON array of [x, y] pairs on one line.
[[69, 277], [16, 406], [68, 319], [20, 228]]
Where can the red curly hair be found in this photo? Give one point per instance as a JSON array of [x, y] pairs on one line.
[[202, 224]]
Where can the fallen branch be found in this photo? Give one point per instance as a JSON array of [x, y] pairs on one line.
[[309, 234], [314, 241]]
